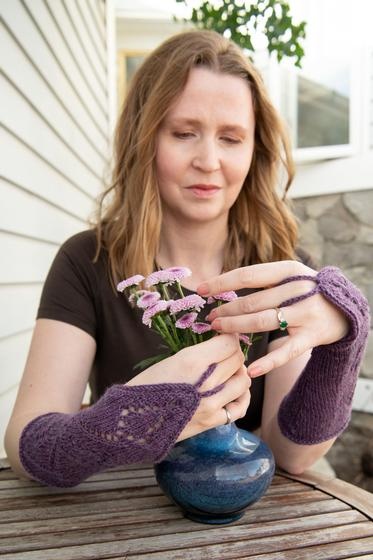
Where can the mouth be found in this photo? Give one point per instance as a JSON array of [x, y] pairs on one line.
[[203, 191]]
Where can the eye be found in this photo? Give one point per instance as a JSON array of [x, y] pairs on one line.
[[230, 140], [183, 135]]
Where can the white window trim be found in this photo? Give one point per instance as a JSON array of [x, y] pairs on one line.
[[357, 127]]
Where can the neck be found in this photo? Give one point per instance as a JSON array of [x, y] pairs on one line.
[[201, 249]]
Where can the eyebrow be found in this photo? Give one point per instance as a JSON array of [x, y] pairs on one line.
[[196, 122]]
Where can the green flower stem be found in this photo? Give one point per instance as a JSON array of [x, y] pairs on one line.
[[166, 295], [179, 288], [163, 329], [170, 322]]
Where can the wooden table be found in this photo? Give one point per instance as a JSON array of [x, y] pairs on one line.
[[123, 514]]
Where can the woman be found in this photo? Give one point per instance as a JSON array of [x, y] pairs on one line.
[[199, 153]]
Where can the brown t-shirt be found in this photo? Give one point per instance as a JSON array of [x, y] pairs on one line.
[[78, 291]]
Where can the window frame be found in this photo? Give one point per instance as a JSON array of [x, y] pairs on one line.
[[356, 124], [122, 55]]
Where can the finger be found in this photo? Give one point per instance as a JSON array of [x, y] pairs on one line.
[[262, 300], [254, 276], [218, 347], [239, 397], [225, 370], [238, 407], [291, 349], [237, 385], [262, 321]]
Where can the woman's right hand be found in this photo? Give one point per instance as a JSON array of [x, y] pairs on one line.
[[188, 365]]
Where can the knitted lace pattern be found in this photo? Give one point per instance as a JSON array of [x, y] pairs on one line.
[[128, 424], [318, 407]]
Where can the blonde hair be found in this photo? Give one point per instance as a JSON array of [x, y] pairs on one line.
[[261, 226]]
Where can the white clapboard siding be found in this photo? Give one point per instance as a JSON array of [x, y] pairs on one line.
[[69, 49], [12, 357], [18, 304], [24, 260], [97, 16], [95, 33], [94, 55], [7, 400], [20, 74], [56, 119], [371, 102], [20, 24], [39, 176], [23, 121], [34, 217]]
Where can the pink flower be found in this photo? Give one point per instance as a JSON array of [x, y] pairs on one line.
[[132, 281], [223, 296], [201, 328], [150, 312], [186, 321], [245, 339], [167, 276], [194, 301], [148, 299]]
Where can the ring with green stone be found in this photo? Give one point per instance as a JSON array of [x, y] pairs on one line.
[[283, 324]]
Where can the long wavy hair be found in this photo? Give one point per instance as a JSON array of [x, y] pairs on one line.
[[128, 223]]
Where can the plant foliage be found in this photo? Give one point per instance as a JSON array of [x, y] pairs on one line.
[[240, 20]]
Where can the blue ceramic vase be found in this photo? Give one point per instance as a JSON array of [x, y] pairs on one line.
[[214, 476]]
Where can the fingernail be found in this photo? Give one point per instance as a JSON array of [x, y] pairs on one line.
[[211, 316], [203, 289], [255, 371], [216, 325]]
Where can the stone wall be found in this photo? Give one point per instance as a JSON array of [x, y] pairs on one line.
[[338, 230]]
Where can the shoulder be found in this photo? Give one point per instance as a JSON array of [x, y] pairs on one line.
[[83, 243], [76, 259]]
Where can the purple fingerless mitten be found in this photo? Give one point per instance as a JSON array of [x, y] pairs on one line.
[[128, 424], [318, 407]]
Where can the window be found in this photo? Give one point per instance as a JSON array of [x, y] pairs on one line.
[[128, 62], [320, 102]]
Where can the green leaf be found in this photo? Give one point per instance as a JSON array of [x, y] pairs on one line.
[[239, 17], [151, 361]]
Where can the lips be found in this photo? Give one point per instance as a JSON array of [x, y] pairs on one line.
[[203, 191]]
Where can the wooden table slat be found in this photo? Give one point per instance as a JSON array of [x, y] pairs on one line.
[[267, 545], [121, 513], [352, 495], [171, 513], [330, 551], [35, 489], [140, 539], [75, 509], [143, 536], [228, 551], [9, 480], [72, 506]]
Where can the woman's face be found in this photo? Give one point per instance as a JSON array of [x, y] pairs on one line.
[[205, 147]]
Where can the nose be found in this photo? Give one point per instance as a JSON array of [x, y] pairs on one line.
[[207, 156]]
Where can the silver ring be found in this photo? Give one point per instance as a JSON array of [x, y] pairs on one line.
[[282, 322], [229, 416]]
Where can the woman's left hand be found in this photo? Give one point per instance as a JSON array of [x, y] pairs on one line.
[[314, 321]]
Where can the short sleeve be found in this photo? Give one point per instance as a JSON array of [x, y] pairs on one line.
[[70, 289]]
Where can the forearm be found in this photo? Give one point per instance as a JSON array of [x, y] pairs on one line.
[[308, 401], [127, 425], [318, 407], [292, 457]]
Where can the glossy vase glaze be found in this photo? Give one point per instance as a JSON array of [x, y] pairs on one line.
[[214, 476]]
